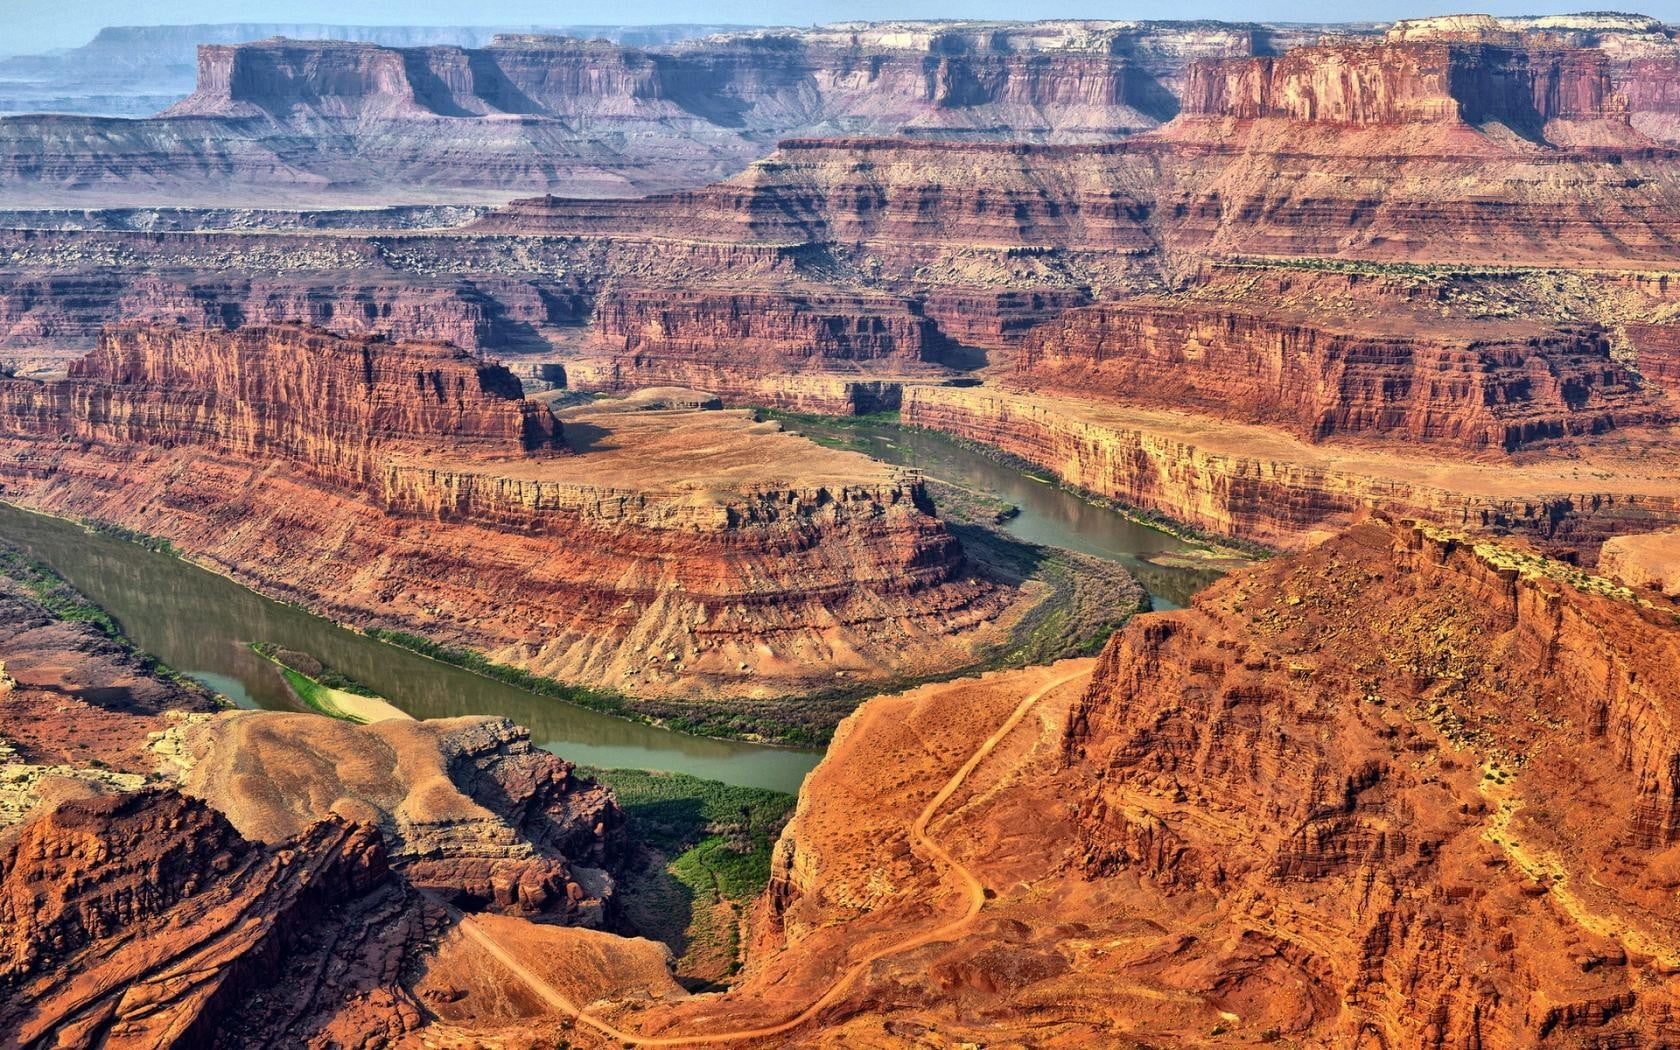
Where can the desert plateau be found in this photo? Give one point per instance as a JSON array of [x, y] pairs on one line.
[[526, 532]]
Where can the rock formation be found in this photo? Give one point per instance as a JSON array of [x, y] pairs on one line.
[[1431, 858], [468, 808], [803, 350], [1480, 386], [1262, 485], [410, 486], [1402, 789]]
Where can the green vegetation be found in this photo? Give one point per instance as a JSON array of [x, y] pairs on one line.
[[316, 688], [712, 844], [55, 593], [143, 539], [312, 668], [789, 722], [717, 835]]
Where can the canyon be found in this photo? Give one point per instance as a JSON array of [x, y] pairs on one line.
[[503, 349], [425, 494], [1148, 847]]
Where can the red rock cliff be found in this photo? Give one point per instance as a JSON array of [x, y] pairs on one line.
[[1494, 387], [321, 400], [1439, 778], [1408, 83]]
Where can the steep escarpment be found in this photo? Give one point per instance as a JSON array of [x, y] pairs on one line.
[[1410, 83], [1430, 777], [411, 487], [262, 392], [1407, 788], [797, 349], [1260, 484], [1483, 386]]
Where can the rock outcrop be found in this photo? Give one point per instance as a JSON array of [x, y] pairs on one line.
[[1481, 386], [1377, 757], [409, 486], [1258, 484], [469, 809]]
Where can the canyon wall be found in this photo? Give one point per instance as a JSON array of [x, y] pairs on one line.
[[409, 486], [796, 349], [1253, 484], [1657, 354], [332, 404], [1473, 386], [1377, 756], [1409, 83]]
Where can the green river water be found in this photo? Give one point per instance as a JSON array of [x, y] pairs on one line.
[[200, 623]]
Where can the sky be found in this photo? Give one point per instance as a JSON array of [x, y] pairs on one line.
[[36, 25]]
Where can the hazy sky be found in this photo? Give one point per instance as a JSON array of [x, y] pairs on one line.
[[33, 25]]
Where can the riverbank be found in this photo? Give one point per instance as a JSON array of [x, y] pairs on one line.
[[327, 692]]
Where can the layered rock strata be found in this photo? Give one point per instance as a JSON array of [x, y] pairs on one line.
[[63, 314], [1436, 852], [793, 349], [1478, 386], [424, 494], [1258, 484]]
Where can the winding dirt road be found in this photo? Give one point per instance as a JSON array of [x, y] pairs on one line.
[[973, 891]]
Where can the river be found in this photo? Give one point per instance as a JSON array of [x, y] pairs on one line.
[[200, 623]]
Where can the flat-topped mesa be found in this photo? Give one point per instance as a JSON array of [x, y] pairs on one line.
[[774, 83], [1485, 386], [1432, 82], [410, 487], [338, 405]]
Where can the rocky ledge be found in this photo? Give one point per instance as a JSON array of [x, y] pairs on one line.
[[1263, 485], [410, 486]]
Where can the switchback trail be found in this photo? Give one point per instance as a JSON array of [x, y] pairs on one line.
[[973, 891]]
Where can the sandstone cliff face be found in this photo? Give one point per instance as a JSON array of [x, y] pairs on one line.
[[756, 347], [1493, 387], [1657, 354], [1434, 777], [148, 919], [419, 492], [329, 403], [1252, 483], [1410, 83]]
